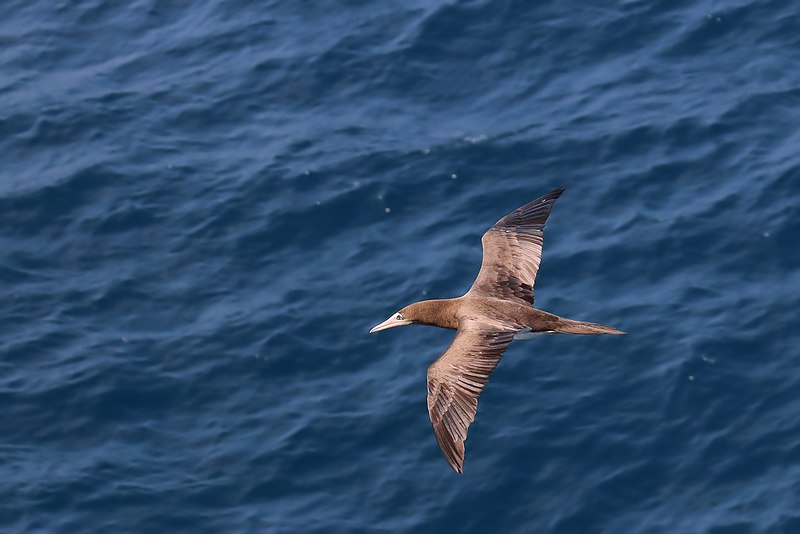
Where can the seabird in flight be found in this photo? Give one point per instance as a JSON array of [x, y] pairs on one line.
[[497, 309]]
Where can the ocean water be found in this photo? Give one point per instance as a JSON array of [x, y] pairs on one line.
[[205, 206]]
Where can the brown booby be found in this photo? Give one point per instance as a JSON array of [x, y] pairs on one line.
[[497, 309]]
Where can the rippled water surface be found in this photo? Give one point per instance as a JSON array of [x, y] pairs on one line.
[[206, 205]]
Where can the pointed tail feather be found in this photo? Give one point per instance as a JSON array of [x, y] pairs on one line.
[[568, 326]]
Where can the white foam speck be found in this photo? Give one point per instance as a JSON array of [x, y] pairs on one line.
[[472, 139]]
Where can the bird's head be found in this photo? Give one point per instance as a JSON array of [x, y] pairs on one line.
[[400, 318]]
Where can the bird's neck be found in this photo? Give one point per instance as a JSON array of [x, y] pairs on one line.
[[439, 312]]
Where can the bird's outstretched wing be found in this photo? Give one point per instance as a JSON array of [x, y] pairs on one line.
[[456, 379], [512, 251]]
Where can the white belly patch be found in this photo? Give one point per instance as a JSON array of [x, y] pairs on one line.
[[526, 333]]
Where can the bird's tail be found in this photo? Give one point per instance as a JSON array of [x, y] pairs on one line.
[[568, 326]]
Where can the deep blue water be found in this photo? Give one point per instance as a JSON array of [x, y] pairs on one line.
[[204, 207]]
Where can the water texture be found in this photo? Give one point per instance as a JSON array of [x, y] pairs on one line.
[[204, 207]]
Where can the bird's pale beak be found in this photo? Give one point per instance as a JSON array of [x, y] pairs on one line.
[[389, 323]]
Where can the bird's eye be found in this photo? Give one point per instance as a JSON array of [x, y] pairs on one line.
[[399, 317]]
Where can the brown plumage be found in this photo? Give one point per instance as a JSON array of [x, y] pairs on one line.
[[497, 308]]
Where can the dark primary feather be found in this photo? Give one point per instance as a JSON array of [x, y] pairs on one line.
[[512, 251], [457, 378]]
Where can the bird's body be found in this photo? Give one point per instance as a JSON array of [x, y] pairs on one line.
[[497, 309], [447, 313]]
